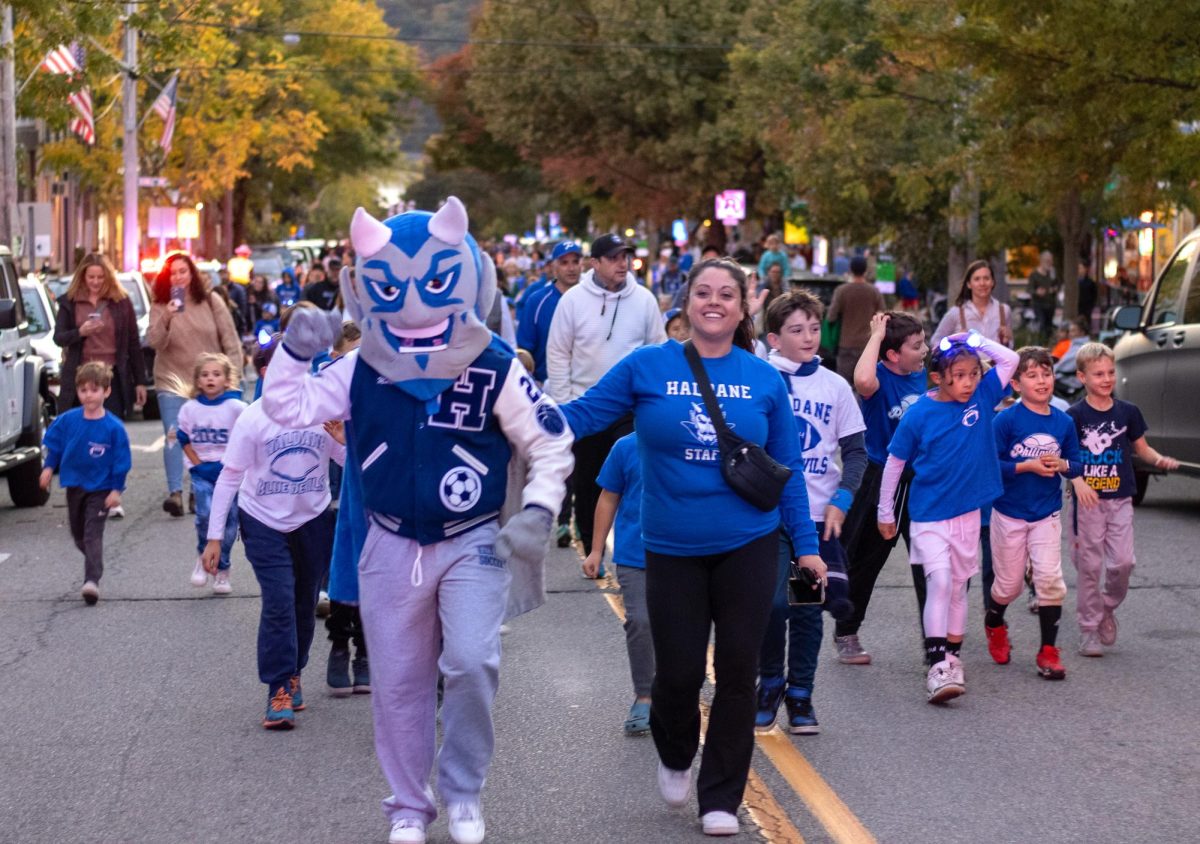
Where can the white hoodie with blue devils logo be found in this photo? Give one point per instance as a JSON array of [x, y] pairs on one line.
[[280, 473]]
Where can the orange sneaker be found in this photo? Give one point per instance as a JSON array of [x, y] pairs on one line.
[[998, 645], [1049, 663]]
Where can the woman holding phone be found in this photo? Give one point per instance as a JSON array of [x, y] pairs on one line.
[[96, 322], [186, 319]]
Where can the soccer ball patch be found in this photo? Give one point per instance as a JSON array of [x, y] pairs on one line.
[[460, 489]]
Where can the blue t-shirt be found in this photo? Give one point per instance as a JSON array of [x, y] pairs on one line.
[[1022, 435], [687, 508], [92, 454], [534, 328], [622, 474], [1106, 445], [951, 449], [883, 411]]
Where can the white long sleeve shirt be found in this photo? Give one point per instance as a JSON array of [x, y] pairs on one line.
[[280, 473], [594, 328]]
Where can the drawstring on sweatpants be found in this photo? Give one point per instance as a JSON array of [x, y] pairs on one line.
[[417, 576]]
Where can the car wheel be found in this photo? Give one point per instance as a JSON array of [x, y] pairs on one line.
[[24, 481], [1143, 483]]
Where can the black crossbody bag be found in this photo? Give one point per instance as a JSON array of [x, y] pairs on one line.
[[746, 467]]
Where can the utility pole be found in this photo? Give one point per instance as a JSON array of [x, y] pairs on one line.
[[8, 132], [132, 233]]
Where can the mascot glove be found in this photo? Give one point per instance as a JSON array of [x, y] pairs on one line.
[[525, 537], [310, 332]]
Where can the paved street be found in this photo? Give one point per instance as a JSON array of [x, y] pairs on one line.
[[138, 720]]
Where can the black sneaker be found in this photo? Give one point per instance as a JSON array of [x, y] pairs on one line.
[[767, 708], [337, 674], [802, 718], [362, 675]]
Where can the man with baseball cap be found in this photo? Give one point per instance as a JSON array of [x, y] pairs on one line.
[[598, 321], [564, 267]]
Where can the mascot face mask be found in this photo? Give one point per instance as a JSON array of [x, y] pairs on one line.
[[419, 293]]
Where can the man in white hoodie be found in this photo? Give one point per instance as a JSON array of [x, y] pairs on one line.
[[599, 321]]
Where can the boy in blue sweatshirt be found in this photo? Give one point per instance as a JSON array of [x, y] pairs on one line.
[[90, 449], [1036, 443]]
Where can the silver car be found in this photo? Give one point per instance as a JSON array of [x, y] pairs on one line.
[[1158, 359]]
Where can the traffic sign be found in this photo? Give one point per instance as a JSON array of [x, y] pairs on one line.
[[152, 182], [731, 206]]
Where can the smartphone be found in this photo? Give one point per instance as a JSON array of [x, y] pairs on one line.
[[804, 587], [178, 297], [95, 315]]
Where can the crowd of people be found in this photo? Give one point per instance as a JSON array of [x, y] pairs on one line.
[[666, 395]]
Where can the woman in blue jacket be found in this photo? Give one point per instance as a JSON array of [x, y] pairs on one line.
[[708, 552]]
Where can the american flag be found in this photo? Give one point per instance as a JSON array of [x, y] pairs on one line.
[[164, 107], [64, 60]]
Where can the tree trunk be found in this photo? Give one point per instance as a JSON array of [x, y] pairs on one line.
[[239, 214], [964, 232], [1072, 229]]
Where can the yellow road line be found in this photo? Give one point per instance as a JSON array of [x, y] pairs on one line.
[[762, 807], [842, 824]]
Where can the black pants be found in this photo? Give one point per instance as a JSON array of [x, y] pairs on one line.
[[867, 550], [685, 598], [345, 623], [590, 454], [86, 515]]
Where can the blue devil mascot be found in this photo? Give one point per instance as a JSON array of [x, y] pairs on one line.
[[437, 406]]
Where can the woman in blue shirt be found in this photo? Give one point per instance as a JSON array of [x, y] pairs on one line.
[[708, 551]]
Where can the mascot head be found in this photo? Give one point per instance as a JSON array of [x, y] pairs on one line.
[[420, 293]]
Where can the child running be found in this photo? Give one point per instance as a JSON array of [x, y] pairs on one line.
[[205, 422], [280, 477], [620, 482], [890, 377], [90, 449], [1110, 432], [948, 439], [1036, 443], [829, 420]]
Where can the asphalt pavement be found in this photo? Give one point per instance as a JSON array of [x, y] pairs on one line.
[[138, 719]]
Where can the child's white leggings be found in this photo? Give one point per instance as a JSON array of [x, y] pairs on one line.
[[948, 550]]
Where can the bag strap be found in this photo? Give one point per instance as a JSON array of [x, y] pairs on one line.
[[706, 391]]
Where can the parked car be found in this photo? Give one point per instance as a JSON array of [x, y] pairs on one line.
[[1158, 359], [42, 313], [139, 294], [21, 406]]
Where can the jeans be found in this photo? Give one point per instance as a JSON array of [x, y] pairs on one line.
[[203, 490], [169, 406], [638, 641], [590, 454], [687, 597], [289, 568], [800, 628]]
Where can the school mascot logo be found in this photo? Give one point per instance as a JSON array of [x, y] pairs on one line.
[[420, 292]]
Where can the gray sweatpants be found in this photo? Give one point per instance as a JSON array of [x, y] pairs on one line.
[[86, 515], [424, 610], [637, 628]]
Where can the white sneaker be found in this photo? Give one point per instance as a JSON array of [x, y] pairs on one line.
[[939, 683], [407, 831], [674, 786], [720, 823], [90, 592], [199, 575], [323, 604], [958, 674], [117, 512], [1089, 644], [466, 823], [1107, 631], [221, 585]]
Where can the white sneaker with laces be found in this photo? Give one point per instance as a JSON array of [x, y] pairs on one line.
[[1107, 631], [199, 575], [939, 683], [674, 786], [407, 831], [466, 823], [958, 674], [720, 823], [221, 585]]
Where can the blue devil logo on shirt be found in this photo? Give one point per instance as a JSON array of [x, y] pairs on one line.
[[700, 425], [420, 292]]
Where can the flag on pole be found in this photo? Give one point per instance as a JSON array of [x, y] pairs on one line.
[[68, 61], [164, 107]]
